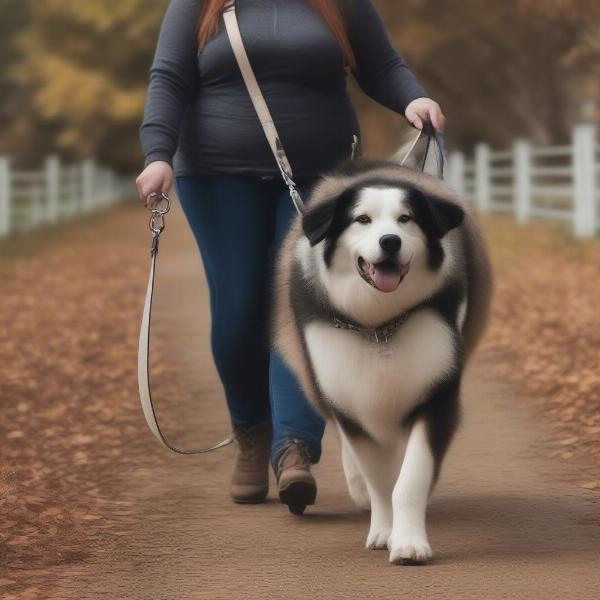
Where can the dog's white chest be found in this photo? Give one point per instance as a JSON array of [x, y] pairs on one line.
[[379, 388]]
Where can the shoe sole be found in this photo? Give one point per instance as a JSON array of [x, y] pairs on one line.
[[298, 495], [257, 498]]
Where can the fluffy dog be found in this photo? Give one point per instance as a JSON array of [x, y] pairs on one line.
[[382, 293]]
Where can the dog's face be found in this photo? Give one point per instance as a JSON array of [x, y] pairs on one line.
[[382, 233]]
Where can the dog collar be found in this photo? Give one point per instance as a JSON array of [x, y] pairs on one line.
[[378, 335]]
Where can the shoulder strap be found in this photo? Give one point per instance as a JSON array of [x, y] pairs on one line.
[[260, 106]]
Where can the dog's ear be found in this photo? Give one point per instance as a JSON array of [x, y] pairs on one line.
[[435, 215], [317, 220], [446, 215]]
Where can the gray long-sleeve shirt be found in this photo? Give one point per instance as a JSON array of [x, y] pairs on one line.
[[199, 116]]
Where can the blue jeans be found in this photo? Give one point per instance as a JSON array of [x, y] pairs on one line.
[[239, 223]]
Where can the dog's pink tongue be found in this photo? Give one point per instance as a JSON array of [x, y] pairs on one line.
[[385, 281]]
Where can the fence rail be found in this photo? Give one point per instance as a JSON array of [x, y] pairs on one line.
[[558, 183], [529, 182], [29, 199]]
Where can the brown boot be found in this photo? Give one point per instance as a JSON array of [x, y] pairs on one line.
[[297, 486], [250, 476]]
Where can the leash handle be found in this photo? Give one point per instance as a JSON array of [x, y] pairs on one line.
[[157, 225], [433, 137]]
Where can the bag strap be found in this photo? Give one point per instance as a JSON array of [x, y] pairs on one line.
[[433, 137], [258, 101], [157, 224]]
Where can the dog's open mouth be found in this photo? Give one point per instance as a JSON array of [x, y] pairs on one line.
[[385, 276]]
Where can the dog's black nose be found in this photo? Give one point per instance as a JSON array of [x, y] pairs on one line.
[[390, 243]]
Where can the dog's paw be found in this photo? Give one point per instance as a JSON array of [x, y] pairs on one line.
[[378, 538], [409, 551]]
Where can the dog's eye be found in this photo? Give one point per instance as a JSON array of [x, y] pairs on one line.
[[404, 218], [363, 219]]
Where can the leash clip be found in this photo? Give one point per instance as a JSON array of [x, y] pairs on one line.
[[162, 205], [157, 217]]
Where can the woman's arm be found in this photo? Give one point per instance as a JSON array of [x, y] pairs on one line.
[[381, 72], [173, 79]]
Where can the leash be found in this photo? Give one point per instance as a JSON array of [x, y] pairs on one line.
[[157, 225], [435, 137]]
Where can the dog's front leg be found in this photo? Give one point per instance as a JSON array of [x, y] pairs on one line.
[[379, 467], [408, 542]]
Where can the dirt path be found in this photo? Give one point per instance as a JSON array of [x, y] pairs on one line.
[[506, 521]]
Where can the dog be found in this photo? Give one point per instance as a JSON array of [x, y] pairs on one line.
[[381, 294]]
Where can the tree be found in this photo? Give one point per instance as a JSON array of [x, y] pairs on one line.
[[14, 19], [77, 78], [87, 66], [501, 69]]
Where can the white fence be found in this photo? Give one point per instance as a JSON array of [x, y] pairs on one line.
[[559, 183], [29, 199]]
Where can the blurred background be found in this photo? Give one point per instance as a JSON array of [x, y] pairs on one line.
[[519, 82], [74, 74]]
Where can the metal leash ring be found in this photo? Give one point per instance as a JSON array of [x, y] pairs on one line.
[[158, 212], [159, 209], [157, 223]]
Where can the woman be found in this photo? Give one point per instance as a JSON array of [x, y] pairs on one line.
[[199, 119]]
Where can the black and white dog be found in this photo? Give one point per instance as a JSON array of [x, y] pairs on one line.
[[382, 292]]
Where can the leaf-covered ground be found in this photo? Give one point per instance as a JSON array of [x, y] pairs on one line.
[[70, 306], [545, 328], [68, 324]]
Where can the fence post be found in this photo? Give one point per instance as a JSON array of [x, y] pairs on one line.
[[52, 188], [482, 177], [76, 189], [522, 180], [584, 180], [87, 184], [101, 191], [110, 189], [5, 196], [456, 172], [38, 205]]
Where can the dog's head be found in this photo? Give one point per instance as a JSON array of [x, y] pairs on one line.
[[383, 232]]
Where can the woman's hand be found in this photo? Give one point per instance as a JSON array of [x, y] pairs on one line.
[[156, 177], [425, 109]]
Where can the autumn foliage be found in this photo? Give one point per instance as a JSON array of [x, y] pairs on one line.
[[544, 333]]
